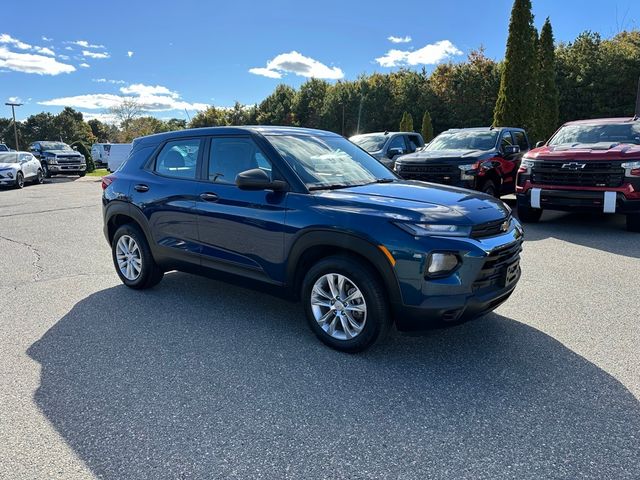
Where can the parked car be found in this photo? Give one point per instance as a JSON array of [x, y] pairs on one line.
[[387, 146], [59, 158], [484, 159], [4, 148], [118, 153], [313, 216], [100, 154], [587, 165], [16, 168]]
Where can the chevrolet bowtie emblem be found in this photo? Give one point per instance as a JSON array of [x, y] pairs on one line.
[[574, 165]]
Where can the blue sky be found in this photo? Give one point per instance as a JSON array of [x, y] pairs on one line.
[[173, 56]]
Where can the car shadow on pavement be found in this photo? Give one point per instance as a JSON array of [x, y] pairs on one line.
[[199, 379], [599, 231]]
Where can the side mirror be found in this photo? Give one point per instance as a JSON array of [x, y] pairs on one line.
[[511, 149], [257, 179], [539, 144], [392, 152], [75, 147]]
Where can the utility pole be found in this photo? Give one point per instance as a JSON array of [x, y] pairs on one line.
[[15, 127]]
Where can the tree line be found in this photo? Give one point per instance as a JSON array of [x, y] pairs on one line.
[[538, 86]]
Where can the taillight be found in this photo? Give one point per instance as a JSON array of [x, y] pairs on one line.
[[108, 180]]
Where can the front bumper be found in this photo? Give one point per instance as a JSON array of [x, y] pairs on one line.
[[487, 276], [581, 200], [5, 180], [67, 168]]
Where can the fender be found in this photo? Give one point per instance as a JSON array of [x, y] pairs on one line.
[[346, 241], [116, 207]]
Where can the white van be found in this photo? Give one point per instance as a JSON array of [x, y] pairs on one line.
[[118, 153], [100, 153]]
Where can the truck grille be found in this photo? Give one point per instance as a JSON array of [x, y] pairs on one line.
[[594, 174], [445, 174], [494, 270], [489, 229], [68, 160]]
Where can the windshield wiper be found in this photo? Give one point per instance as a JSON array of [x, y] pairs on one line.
[[330, 186], [381, 180]]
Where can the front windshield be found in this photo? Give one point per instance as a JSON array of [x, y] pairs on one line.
[[465, 140], [328, 161], [609, 133], [370, 143], [55, 146], [8, 157]]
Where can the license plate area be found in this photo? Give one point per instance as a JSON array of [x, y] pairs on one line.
[[511, 273]]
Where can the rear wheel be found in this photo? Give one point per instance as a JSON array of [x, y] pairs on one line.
[[345, 304], [527, 214], [633, 222], [19, 180], [133, 259]]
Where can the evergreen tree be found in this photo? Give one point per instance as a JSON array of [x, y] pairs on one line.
[[406, 124], [427, 127], [516, 102], [548, 109]]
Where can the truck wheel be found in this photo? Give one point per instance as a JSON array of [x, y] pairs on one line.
[[133, 260], [489, 188], [39, 178], [45, 171], [633, 222], [19, 180], [526, 214], [345, 303], [82, 174]]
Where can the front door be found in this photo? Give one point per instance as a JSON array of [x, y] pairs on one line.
[[240, 231]]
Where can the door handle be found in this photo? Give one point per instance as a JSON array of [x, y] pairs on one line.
[[141, 188], [209, 197]]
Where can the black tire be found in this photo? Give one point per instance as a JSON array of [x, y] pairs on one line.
[[19, 180], [489, 187], [150, 273], [365, 279], [82, 174], [39, 178], [633, 222], [526, 214], [45, 170]]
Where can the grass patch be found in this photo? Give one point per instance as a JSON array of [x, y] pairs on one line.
[[98, 172]]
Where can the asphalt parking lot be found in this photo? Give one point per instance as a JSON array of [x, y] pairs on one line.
[[200, 379]]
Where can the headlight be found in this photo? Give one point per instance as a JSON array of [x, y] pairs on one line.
[[631, 169], [468, 171], [525, 166], [441, 263], [51, 160], [428, 229], [10, 174]]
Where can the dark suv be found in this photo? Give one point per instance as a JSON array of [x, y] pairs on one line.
[[484, 159], [58, 158], [313, 215]]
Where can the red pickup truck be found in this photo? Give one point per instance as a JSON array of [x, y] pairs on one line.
[[587, 165]]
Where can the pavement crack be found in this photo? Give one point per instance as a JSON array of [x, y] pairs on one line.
[[46, 211], [38, 269]]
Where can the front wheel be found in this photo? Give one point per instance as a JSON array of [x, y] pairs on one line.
[[490, 188], [19, 180], [527, 214], [45, 171], [133, 260], [82, 174], [633, 222], [345, 304]]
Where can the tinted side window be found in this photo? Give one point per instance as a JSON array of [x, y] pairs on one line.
[[398, 142], [521, 140], [414, 143], [230, 156], [179, 158], [506, 140]]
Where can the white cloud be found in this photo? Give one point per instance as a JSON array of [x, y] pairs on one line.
[[150, 98], [89, 54], [294, 62], [32, 63], [64, 57], [103, 117], [46, 39], [9, 40], [45, 51], [14, 100], [108, 80], [69, 48], [129, 54], [85, 44], [430, 54], [85, 65], [405, 39]]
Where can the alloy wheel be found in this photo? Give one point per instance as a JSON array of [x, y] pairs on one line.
[[129, 257], [338, 306]]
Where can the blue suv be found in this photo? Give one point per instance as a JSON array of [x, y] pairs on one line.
[[310, 213]]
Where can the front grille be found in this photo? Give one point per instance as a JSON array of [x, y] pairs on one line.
[[594, 174], [445, 174], [490, 229], [494, 270], [68, 160]]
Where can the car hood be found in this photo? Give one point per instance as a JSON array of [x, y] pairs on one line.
[[417, 201], [440, 155], [67, 153], [590, 151], [8, 165]]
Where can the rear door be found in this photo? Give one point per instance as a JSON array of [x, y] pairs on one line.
[[240, 231], [165, 192]]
